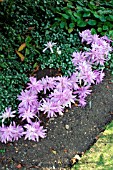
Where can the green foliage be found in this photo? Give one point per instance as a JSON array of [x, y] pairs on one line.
[[12, 80], [34, 23], [109, 63], [29, 22], [67, 44], [86, 14]]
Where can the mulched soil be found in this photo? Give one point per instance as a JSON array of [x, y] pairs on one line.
[[67, 136]]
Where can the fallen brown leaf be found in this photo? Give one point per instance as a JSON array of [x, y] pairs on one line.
[[22, 47], [31, 28], [20, 55], [19, 166], [65, 150]]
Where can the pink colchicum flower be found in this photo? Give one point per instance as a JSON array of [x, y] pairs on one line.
[[10, 133], [63, 83], [100, 47], [48, 83], [48, 107], [59, 92], [78, 57], [99, 76], [106, 39], [86, 36], [27, 98], [7, 114], [99, 52], [34, 85], [51, 83], [50, 46], [44, 82], [83, 91], [34, 131], [65, 97], [18, 131], [82, 102], [27, 114]]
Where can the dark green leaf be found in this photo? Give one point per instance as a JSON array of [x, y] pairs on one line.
[[96, 15], [99, 29], [86, 14], [77, 15], [80, 3], [102, 18], [92, 22], [81, 23], [93, 31], [69, 5], [105, 27], [62, 24], [111, 17], [65, 16], [71, 25], [28, 39], [79, 8]]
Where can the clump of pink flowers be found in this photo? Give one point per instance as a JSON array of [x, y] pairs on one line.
[[59, 92]]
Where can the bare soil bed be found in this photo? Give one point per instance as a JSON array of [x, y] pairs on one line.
[[68, 135]]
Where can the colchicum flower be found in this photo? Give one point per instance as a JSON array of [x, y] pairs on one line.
[[27, 114], [49, 45], [7, 114], [86, 36], [27, 98], [10, 133], [48, 107], [34, 131], [51, 95], [34, 85]]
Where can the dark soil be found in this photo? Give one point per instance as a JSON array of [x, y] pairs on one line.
[[68, 135]]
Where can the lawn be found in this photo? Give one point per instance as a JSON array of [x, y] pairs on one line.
[[100, 155]]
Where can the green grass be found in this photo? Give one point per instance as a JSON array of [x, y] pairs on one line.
[[100, 155]]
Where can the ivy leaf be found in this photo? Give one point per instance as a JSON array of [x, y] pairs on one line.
[[111, 34], [92, 22], [71, 25], [70, 30], [105, 27], [22, 47], [96, 15], [81, 23], [20, 55], [102, 18], [111, 17], [65, 16], [99, 29], [86, 14], [69, 5], [77, 15], [93, 31], [62, 24]]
